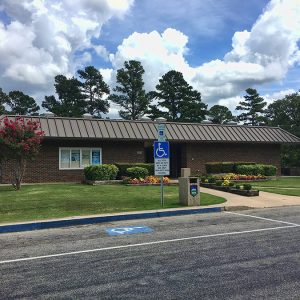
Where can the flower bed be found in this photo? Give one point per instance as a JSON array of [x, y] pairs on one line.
[[248, 192], [149, 180]]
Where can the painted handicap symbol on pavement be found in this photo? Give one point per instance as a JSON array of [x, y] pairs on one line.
[[128, 230]]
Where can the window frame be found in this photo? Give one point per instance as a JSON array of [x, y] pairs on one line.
[[91, 149]]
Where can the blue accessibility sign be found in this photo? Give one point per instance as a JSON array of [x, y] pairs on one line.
[[128, 230], [161, 150]]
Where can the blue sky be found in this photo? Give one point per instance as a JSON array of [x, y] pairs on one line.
[[221, 47]]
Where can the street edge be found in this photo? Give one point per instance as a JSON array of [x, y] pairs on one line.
[[102, 219]]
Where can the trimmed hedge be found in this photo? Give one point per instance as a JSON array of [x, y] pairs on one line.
[[101, 172], [124, 166], [267, 170], [137, 172], [224, 167]]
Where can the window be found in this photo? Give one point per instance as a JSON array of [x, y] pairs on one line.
[[78, 158]]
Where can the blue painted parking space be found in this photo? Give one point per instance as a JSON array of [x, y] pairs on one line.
[[124, 230]]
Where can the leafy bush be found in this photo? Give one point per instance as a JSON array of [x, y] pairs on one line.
[[269, 170], [124, 166], [211, 180], [257, 169], [219, 183], [102, 172], [247, 186], [238, 187], [137, 172], [224, 167]]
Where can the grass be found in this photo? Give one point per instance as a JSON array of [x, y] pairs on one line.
[[282, 185], [36, 202]]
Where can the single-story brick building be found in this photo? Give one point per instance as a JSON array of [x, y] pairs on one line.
[[72, 143]]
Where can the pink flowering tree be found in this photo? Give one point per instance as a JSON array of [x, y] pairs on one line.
[[20, 141]]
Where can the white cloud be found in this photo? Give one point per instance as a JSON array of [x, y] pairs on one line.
[[263, 54], [44, 38]]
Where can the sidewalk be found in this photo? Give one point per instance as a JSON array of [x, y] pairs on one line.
[[263, 200]]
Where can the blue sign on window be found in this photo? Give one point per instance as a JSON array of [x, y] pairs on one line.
[[161, 150], [128, 230], [96, 157]]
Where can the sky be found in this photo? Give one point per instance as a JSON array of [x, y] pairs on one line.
[[221, 47]]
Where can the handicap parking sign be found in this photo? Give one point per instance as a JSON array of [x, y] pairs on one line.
[[161, 150]]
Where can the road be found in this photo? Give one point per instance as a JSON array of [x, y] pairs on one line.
[[252, 254]]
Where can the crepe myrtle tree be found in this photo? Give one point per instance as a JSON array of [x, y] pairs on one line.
[[20, 141]]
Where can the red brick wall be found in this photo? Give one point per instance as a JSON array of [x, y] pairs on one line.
[[198, 154], [46, 167]]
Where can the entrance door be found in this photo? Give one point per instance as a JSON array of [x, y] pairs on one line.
[[175, 160]]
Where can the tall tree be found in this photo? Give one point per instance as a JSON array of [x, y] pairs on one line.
[[253, 105], [70, 102], [21, 104], [286, 114], [130, 93], [220, 114], [94, 88], [3, 100], [179, 101]]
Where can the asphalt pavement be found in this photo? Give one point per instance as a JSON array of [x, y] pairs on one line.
[[251, 254]]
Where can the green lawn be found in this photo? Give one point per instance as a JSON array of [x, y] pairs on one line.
[[36, 202], [282, 185]]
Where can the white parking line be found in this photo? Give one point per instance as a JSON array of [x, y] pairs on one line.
[[147, 244], [267, 219]]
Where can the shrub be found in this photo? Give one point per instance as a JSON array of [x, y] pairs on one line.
[[231, 184], [247, 186], [257, 169], [269, 170], [227, 167], [124, 166], [137, 172], [238, 187], [224, 167], [102, 172], [219, 183], [211, 180]]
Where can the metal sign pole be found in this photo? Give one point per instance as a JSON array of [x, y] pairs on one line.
[[161, 156], [162, 190]]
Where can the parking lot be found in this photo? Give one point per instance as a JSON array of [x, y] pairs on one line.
[[250, 254]]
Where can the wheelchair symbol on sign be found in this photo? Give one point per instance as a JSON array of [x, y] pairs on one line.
[[160, 152]]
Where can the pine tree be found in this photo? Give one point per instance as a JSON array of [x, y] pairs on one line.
[[21, 104], [253, 105], [220, 114], [130, 93]]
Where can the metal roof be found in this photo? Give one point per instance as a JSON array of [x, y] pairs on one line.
[[74, 128]]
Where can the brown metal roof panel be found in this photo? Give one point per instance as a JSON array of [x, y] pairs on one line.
[[153, 129], [147, 130], [123, 130], [229, 133], [262, 134], [44, 126], [274, 135], [111, 130], [52, 127], [67, 128], [75, 128], [60, 128], [208, 133], [136, 131], [172, 132], [129, 130], [199, 133], [215, 129], [282, 135], [240, 134], [82, 129], [182, 133], [89, 128], [96, 129], [251, 134], [187, 132], [142, 130]]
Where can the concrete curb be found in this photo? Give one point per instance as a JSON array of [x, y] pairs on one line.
[[101, 219]]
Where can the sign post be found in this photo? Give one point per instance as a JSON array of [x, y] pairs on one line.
[[161, 158]]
